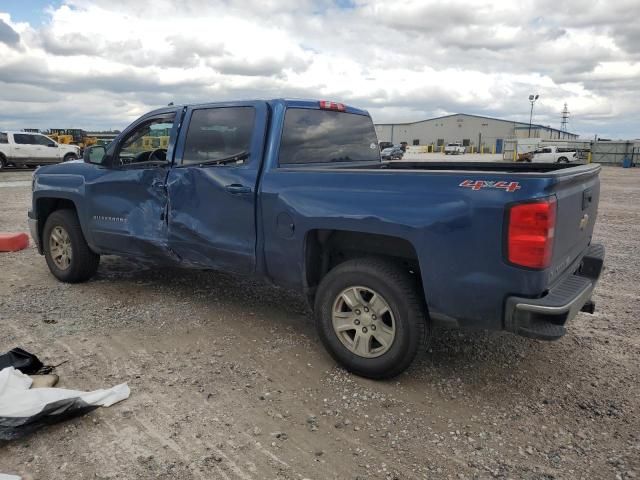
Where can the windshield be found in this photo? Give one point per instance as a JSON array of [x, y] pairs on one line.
[[323, 136]]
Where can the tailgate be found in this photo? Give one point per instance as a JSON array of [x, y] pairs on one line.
[[577, 196]]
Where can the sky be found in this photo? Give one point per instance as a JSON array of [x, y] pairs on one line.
[[100, 64]]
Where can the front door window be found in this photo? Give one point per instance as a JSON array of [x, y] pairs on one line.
[[147, 143]]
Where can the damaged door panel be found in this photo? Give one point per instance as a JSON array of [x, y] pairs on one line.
[[212, 189], [128, 202]]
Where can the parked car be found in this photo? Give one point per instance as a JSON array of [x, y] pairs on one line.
[[294, 192], [392, 153], [385, 145], [25, 149], [454, 149], [552, 154]]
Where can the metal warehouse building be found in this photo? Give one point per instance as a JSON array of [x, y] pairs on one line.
[[473, 131]]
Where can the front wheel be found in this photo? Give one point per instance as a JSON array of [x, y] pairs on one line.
[[70, 156], [370, 317], [66, 251], [563, 160]]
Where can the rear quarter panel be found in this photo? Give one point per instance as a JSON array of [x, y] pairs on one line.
[[457, 232]]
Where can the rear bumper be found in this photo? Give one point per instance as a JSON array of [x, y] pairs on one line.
[[545, 318]]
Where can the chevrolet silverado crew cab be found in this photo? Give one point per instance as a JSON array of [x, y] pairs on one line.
[[26, 149], [294, 192]]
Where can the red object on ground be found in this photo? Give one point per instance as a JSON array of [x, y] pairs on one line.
[[12, 242]]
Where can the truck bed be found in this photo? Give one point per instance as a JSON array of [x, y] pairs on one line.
[[505, 167]]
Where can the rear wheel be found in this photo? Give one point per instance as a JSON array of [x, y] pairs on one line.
[[68, 256], [563, 160], [3, 163], [370, 317]]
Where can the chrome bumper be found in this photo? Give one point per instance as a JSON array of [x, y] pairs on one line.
[[545, 318]]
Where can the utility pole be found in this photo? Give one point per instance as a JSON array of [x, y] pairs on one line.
[[532, 99], [565, 118]]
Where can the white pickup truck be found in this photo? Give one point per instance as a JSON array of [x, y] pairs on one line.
[[26, 149], [553, 154], [454, 149]]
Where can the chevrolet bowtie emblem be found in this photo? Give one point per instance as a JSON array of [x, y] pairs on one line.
[[584, 221]]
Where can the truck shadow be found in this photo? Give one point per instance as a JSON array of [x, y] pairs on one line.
[[473, 359]]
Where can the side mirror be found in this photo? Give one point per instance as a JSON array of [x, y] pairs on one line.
[[94, 154]]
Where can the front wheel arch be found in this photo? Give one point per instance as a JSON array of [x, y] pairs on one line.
[[62, 233], [45, 206]]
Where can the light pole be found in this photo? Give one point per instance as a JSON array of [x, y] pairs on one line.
[[532, 99]]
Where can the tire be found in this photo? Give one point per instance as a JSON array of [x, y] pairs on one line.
[[563, 160], [82, 261], [3, 162], [70, 156], [406, 314]]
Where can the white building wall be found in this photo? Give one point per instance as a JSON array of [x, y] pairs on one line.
[[471, 130]]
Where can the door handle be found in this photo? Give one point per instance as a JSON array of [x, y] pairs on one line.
[[236, 189]]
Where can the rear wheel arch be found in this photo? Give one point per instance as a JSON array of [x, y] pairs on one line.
[[3, 161], [325, 249]]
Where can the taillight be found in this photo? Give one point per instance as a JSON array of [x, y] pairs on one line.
[[327, 105], [530, 233]]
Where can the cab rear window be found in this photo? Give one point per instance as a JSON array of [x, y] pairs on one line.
[[323, 136]]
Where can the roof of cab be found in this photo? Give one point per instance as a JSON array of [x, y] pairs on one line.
[[306, 103], [286, 102]]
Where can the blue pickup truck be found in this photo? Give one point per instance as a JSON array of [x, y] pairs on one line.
[[295, 193]]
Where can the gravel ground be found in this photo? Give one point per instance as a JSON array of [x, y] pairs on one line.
[[229, 381]]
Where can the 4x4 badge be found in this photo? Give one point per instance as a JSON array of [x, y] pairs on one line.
[[478, 184]]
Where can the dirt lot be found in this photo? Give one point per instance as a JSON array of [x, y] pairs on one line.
[[228, 379]]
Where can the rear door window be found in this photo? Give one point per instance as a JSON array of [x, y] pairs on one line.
[[24, 139], [216, 134], [324, 136]]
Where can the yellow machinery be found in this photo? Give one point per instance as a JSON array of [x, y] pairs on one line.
[[71, 136], [60, 136]]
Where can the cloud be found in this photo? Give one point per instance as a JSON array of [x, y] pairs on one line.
[[8, 35], [97, 62]]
